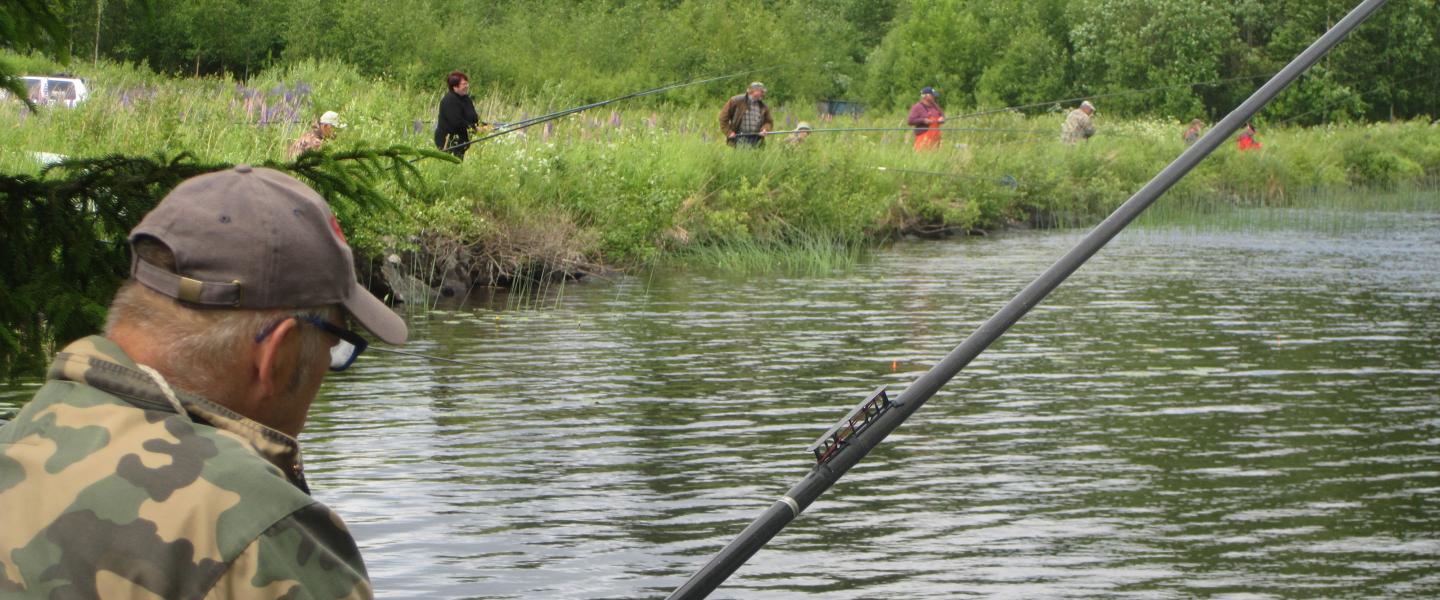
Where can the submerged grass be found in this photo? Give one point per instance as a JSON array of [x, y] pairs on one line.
[[1326, 210], [807, 256]]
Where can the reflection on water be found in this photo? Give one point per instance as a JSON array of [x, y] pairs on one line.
[[1242, 413]]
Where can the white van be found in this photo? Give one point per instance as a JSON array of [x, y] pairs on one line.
[[56, 91]]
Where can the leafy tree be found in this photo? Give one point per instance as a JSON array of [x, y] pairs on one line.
[[1033, 64], [369, 34], [1385, 69], [945, 44], [27, 25], [1123, 45]]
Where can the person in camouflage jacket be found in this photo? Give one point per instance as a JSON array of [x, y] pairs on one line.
[[160, 463], [1078, 125], [322, 131]]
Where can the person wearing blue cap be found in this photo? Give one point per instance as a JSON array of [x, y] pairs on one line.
[[926, 117]]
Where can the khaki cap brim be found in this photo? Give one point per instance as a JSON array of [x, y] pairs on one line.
[[374, 316]]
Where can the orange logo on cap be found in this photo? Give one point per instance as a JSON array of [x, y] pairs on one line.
[[335, 224]]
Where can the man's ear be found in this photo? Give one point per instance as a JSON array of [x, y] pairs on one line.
[[277, 357]]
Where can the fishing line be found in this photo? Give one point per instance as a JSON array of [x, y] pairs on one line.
[[1334, 103], [1109, 95]]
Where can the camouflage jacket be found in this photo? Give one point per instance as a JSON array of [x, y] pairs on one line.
[[106, 491], [1078, 126], [311, 140]]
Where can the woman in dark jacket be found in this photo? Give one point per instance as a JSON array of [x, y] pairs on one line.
[[457, 116]]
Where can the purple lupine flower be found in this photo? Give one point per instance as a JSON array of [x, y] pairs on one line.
[[548, 131], [278, 90], [302, 88], [418, 126], [615, 119]]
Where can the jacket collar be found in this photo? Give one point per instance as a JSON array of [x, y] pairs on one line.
[[97, 362]]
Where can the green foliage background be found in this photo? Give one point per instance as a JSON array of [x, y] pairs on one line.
[[232, 81], [980, 53]]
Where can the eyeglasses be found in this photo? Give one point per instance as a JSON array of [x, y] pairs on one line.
[[346, 349]]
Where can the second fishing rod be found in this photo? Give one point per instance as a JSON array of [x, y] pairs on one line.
[[863, 428]]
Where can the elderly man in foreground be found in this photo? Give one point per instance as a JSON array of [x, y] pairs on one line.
[[160, 459]]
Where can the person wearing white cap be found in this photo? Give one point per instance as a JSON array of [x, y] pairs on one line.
[[801, 132], [1078, 125], [322, 130]]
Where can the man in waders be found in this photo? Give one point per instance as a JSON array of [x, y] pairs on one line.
[[1247, 140], [159, 460], [1078, 126], [926, 117], [746, 119]]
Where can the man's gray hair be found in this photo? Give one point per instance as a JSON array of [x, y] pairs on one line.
[[755, 85], [198, 342]]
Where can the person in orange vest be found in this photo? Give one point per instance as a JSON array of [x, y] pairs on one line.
[[1192, 134], [926, 117], [1247, 138]]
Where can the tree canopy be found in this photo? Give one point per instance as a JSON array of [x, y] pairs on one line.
[[1207, 54]]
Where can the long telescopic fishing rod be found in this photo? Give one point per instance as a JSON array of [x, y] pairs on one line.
[[867, 129], [866, 425], [517, 126]]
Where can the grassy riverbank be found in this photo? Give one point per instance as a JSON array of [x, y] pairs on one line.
[[650, 182]]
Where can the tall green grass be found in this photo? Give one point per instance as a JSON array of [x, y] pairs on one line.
[[638, 183]]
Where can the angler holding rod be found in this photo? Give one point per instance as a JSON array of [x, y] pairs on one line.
[[926, 117], [519, 125], [846, 443], [457, 117], [745, 120]]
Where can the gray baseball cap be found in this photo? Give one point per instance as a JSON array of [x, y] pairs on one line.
[[257, 238]]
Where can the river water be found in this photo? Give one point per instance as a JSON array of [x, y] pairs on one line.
[[1231, 413]]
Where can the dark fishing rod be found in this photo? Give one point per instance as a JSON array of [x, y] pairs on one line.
[[867, 129], [517, 126], [867, 424]]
